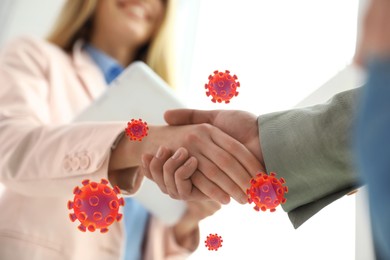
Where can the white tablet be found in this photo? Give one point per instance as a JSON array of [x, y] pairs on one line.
[[140, 93]]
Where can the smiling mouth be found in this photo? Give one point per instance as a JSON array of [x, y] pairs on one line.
[[136, 11]]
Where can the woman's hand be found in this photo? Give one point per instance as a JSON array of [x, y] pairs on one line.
[[186, 230]]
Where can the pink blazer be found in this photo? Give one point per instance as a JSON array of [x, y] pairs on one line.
[[43, 157]]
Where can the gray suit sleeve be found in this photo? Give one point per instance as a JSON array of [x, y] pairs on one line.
[[311, 149]]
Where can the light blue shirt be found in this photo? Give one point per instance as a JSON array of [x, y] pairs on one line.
[[135, 215]]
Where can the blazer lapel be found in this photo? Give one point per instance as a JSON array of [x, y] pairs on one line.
[[88, 72]]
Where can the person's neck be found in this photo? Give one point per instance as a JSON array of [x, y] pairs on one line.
[[121, 52]]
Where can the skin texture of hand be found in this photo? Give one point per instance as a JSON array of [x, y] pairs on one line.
[[175, 174], [241, 125], [219, 157], [186, 230], [375, 40]]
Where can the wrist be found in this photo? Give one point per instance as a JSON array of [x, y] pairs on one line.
[[253, 143], [187, 234]]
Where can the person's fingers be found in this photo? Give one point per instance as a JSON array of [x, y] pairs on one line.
[[239, 153], [232, 167], [183, 180], [189, 116], [173, 164], [227, 181], [157, 164], [186, 189], [209, 188], [146, 159]]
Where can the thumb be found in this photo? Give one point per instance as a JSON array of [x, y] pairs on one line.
[[144, 170], [189, 116]]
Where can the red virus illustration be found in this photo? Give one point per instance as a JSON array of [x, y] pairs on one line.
[[213, 242], [266, 191], [137, 129], [95, 205], [222, 86]]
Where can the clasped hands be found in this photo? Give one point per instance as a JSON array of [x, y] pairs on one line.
[[219, 155]]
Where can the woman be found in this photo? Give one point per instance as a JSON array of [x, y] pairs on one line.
[[43, 156]]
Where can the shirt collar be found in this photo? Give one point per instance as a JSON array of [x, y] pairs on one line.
[[108, 65]]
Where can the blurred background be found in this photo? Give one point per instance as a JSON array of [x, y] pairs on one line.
[[285, 53]]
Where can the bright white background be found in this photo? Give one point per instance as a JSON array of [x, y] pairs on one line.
[[281, 51]]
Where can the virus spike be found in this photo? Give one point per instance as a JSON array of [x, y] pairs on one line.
[[76, 190], [97, 216], [222, 86], [95, 205], [82, 216], [82, 228], [85, 182], [72, 217], [107, 190], [114, 204], [117, 190], [93, 201], [266, 191], [213, 242], [91, 227], [94, 186], [77, 202], [109, 220], [70, 204], [136, 129]]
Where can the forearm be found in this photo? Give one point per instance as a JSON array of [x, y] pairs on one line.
[[127, 153], [39, 159], [187, 234], [161, 243], [311, 149], [126, 156]]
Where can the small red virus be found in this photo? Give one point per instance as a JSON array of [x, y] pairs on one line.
[[213, 242], [222, 86], [136, 129], [95, 205], [266, 191]]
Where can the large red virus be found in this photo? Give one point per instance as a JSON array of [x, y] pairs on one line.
[[95, 205], [136, 129], [222, 86], [266, 191], [213, 242]]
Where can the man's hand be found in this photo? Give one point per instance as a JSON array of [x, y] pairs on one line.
[[241, 125], [375, 40]]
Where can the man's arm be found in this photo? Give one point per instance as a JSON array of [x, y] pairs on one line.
[[311, 149]]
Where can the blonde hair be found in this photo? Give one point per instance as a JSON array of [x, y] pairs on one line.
[[75, 22]]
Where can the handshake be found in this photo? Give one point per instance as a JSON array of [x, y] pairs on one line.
[[204, 155]]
